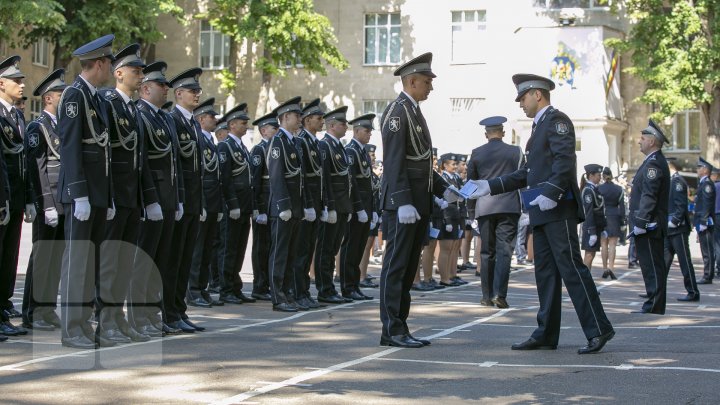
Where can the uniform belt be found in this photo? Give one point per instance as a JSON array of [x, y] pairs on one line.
[[265, 177], [52, 158], [90, 141], [308, 175]]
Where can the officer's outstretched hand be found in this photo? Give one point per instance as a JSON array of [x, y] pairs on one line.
[[639, 231], [179, 212], [220, 217], [544, 203], [30, 213], [5, 213], [82, 209], [451, 194], [362, 216], [310, 214], [441, 203], [261, 219], [671, 224], [332, 217], [593, 240], [234, 213], [483, 189], [153, 212], [203, 216], [51, 217], [407, 214], [285, 215]]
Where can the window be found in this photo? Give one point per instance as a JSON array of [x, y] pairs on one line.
[[214, 47], [468, 35], [382, 39], [40, 52], [685, 130], [36, 107], [376, 107], [557, 4]]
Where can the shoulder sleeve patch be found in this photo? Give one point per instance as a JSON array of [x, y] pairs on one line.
[[678, 186], [708, 188], [562, 128], [651, 173]]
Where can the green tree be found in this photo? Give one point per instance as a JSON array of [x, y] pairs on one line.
[[286, 30], [675, 49], [18, 19]]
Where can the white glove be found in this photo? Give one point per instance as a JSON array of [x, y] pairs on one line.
[[593, 240], [702, 228], [441, 203], [30, 213], [407, 214], [362, 216], [376, 217], [285, 215], [179, 213], [203, 216], [5, 213], [483, 189], [544, 203], [379, 219], [110, 213], [234, 213], [220, 217], [255, 213], [310, 214], [639, 231], [261, 219], [468, 222], [450, 196], [332, 217], [153, 212], [349, 217], [51, 217], [82, 209], [324, 215], [448, 228], [671, 225], [604, 234]]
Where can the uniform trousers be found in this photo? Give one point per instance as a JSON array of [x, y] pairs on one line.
[[184, 237], [677, 244], [218, 251], [351, 252], [330, 237], [306, 248], [237, 233], [558, 261], [716, 242], [497, 232], [403, 245], [9, 250], [650, 253], [260, 258], [151, 261], [708, 252], [283, 252], [202, 255], [116, 266], [79, 270], [42, 278]]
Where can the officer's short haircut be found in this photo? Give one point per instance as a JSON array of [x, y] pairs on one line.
[[89, 63], [545, 93]]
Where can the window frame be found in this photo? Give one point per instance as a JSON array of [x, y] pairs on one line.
[[389, 26], [477, 59], [593, 5], [686, 131], [37, 45], [212, 31], [35, 101], [375, 102]]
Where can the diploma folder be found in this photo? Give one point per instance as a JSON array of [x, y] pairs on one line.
[[529, 194]]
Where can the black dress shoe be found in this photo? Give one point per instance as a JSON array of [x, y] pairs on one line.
[[300, 304], [643, 296], [477, 274], [532, 344], [52, 319], [422, 286], [193, 325], [149, 330], [367, 283], [214, 289], [8, 329], [185, 328], [500, 302], [39, 325], [3, 338], [400, 341], [305, 303], [114, 335], [207, 297], [640, 311], [353, 295], [704, 281], [101, 341], [596, 344], [230, 299], [689, 298], [457, 279], [78, 342], [284, 307], [135, 336], [606, 274], [363, 295], [470, 266], [424, 342], [486, 302], [452, 283], [332, 299], [12, 313], [612, 275], [261, 296], [199, 302], [244, 297], [170, 330]]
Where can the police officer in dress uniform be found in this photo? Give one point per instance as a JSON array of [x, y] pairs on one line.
[[134, 190], [197, 294], [615, 219], [555, 210], [593, 228], [237, 188], [155, 237], [408, 184], [288, 204], [676, 242], [365, 280], [42, 146], [339, 202], [268, 126], [649, 213], [312, 122], [85, 189], [704, 219], [12, 123], [497, 215], [221, 133], [364, 215], [187, 90]]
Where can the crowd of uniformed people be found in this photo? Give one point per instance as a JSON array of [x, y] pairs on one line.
[[140, 209]]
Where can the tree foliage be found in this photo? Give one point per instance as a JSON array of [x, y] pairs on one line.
[[19, 19]]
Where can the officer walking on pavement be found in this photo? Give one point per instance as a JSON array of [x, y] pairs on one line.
[[649, 213], [555, 209], [704, 219]]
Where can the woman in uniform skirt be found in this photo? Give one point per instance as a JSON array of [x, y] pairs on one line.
[[451, 229], [427, 261], [614, 198], [593, 228]]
